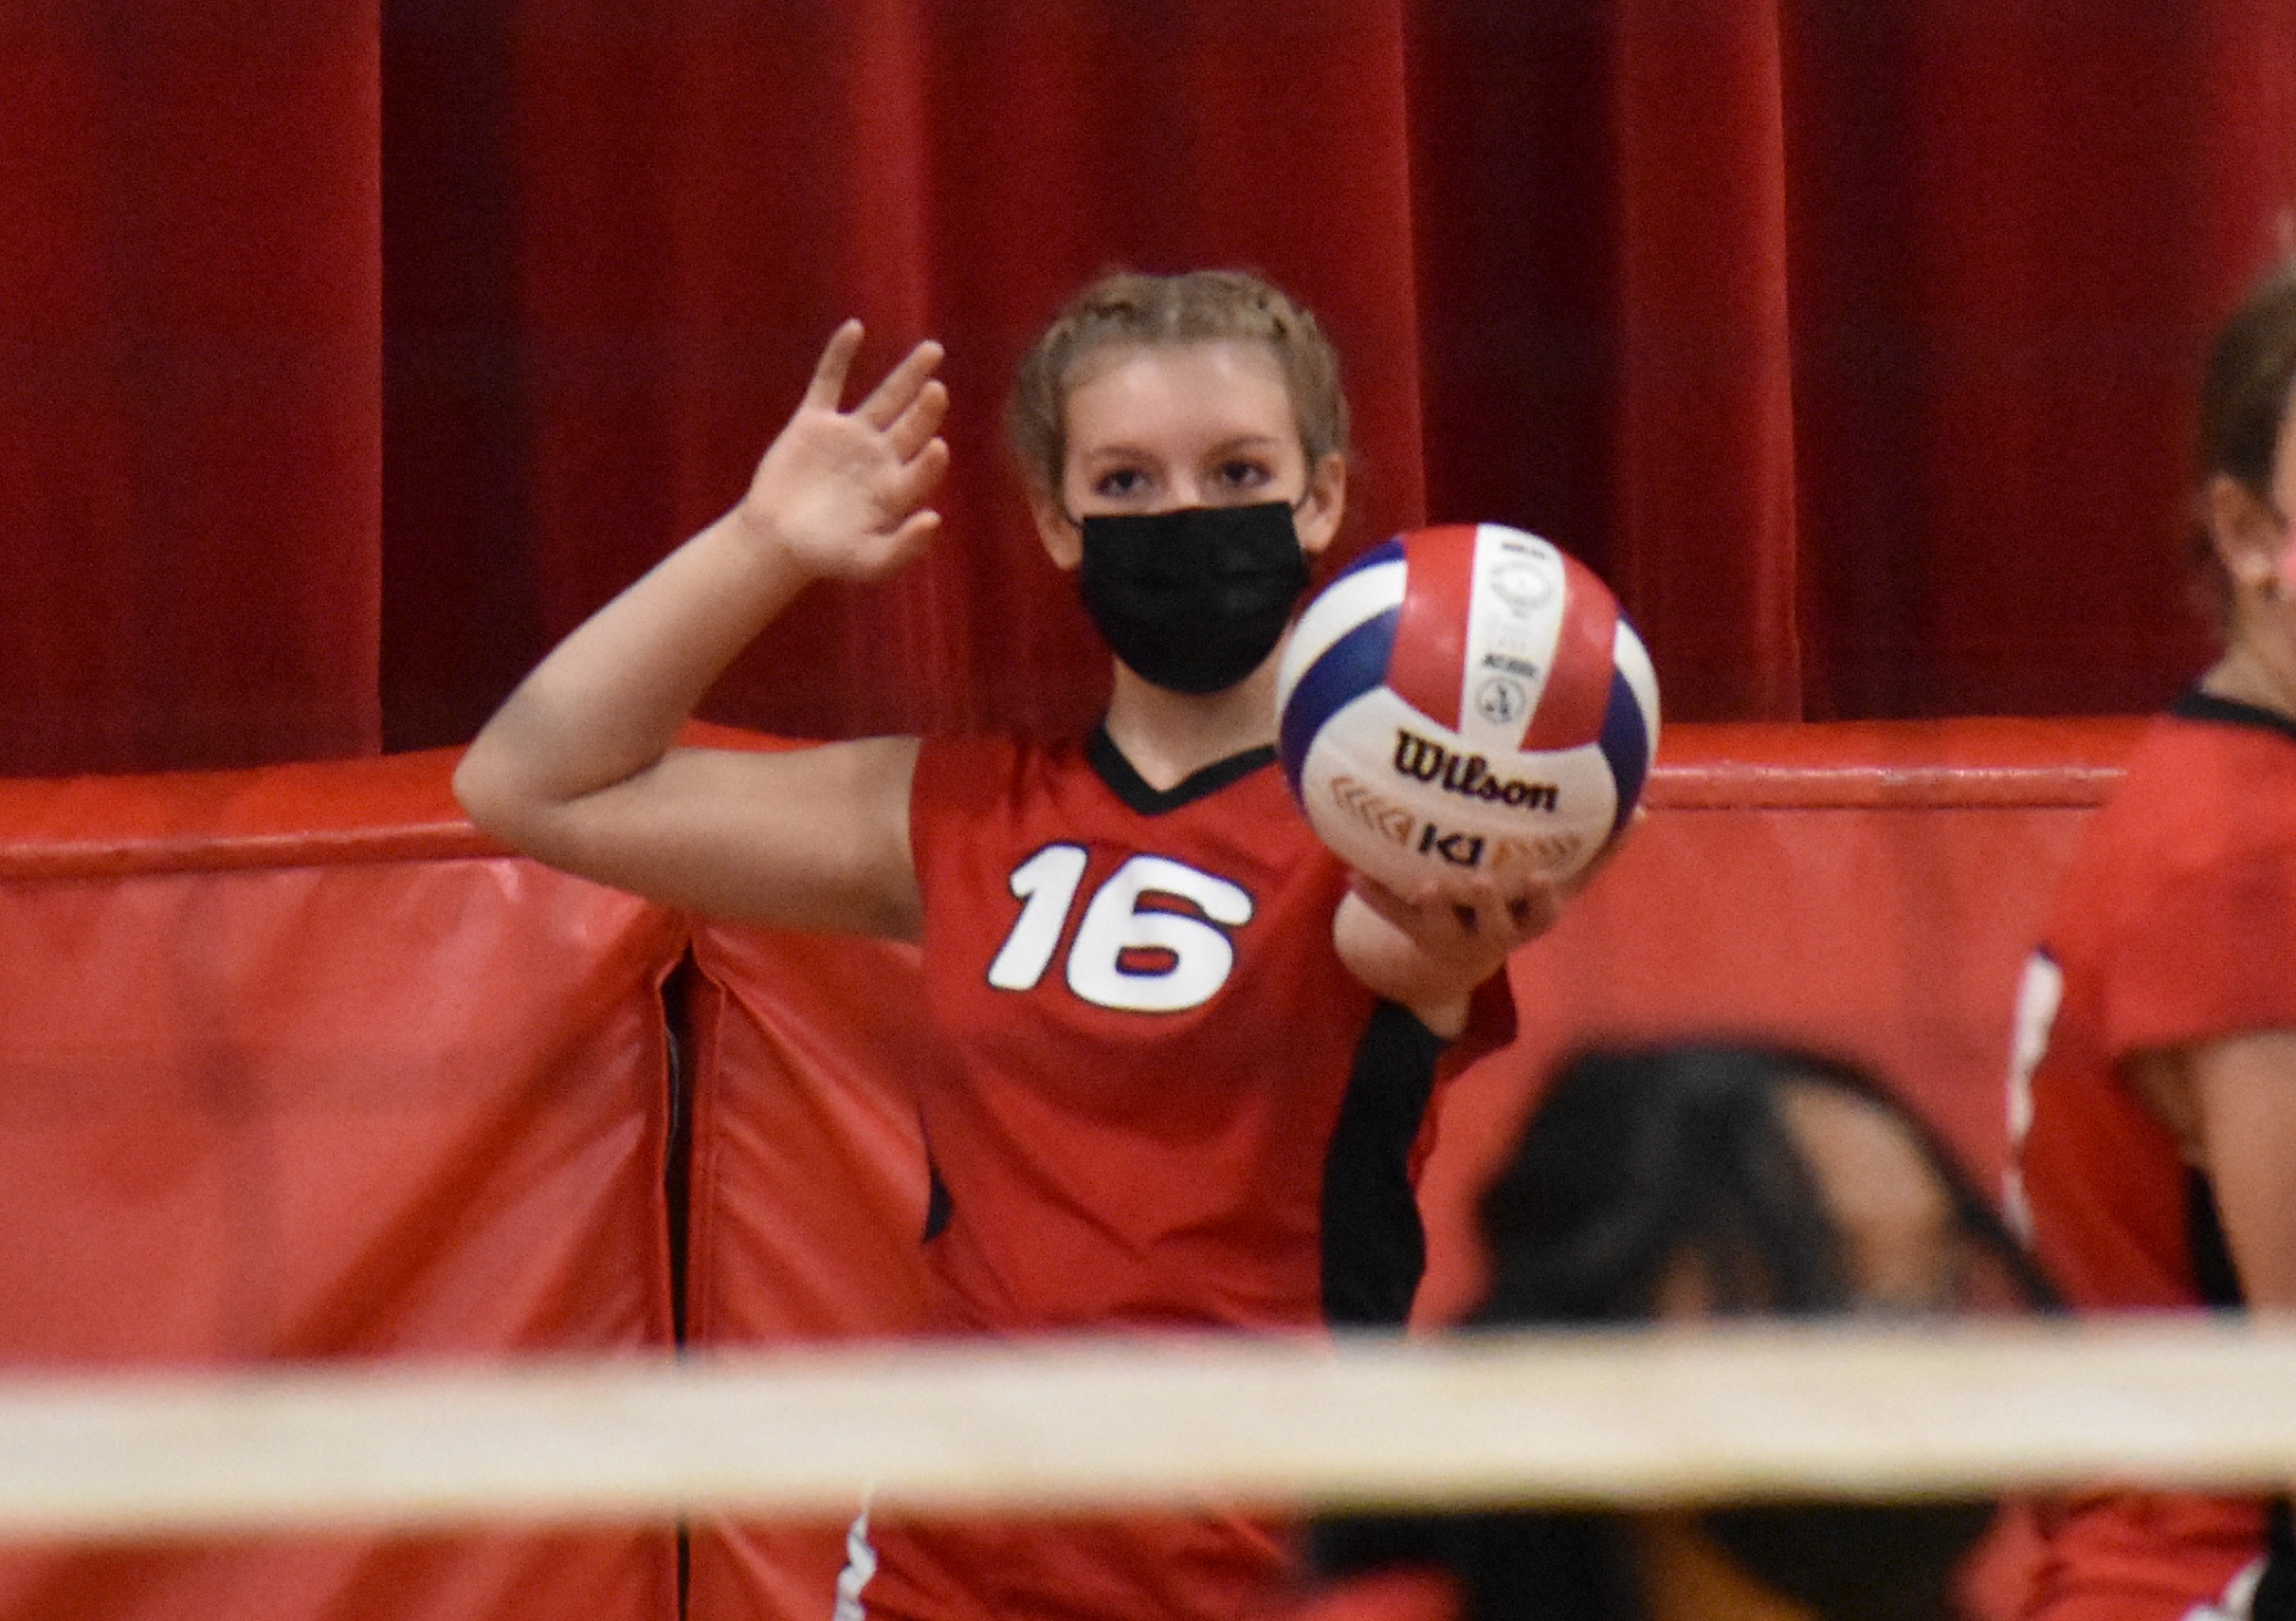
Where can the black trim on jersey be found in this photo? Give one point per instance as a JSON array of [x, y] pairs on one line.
[[2199, 705], [2214, 1274], [2275, 1596], [2218, 1281], [1374, 1248], [1111, 767]]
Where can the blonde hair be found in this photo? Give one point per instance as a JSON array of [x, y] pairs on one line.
[[1200, 306]]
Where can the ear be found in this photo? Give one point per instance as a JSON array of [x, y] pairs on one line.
[[1319, 519], [1064, 542], [2245, 531]]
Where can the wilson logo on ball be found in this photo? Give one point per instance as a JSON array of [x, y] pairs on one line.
[[1468, 774], [1476, 674]]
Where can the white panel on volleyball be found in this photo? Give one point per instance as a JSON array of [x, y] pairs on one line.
[[1516, 615], [1351, 794], [1339, 609]]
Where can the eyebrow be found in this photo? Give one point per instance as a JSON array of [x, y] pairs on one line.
[[1225, 448]]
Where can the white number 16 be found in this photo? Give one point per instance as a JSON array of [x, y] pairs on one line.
[[1199, 954]]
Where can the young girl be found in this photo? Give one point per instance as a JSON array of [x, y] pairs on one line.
[[2153, 1106], [1194, 1050]]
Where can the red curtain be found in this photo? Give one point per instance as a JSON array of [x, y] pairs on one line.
[[1855, 344], [190, 423]]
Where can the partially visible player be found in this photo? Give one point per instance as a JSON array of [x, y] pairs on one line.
[[2153, 1095], [1681, 1185], [1194, 1053]]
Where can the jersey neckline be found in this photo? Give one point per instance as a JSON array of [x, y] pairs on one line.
[[1112, 768], [2199, 705]]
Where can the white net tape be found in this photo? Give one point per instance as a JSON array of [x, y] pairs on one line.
[[1087, 1424]]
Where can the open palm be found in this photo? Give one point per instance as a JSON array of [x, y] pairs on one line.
[[843, 492]]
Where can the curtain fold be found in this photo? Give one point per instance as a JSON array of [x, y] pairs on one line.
[[1705, 410], [189, 383], [351, 351]]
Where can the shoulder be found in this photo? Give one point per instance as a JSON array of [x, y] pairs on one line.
[[2201, 799], [2209, 775], [972, 798], [984, 768], [2182, 902]]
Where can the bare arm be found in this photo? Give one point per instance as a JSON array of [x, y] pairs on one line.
[[2244, 1089], [576, 769]]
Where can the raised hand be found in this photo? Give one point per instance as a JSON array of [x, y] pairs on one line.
[[841, 493]]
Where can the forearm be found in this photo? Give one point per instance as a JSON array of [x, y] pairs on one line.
[[608, 701]]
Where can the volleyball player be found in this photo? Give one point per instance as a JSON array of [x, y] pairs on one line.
[[1193, 1050], [2153, 1103]]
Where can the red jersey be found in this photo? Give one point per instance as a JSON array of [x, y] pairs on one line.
[[1412, 1594], [2175, 925], [1172, 1108]]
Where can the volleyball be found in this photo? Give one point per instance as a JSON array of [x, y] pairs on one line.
[[1461, 700]]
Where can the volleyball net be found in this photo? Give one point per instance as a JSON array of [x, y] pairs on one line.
[[1096, 1425]]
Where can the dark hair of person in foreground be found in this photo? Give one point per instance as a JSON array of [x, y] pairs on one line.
[[1675, 1184]]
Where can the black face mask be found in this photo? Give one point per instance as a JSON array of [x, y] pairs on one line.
[[1194, 600], [1855, 1561]]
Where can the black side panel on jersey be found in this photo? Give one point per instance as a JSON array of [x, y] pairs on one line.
[[1374, 1248], [2275, 1596], [2214, 1273], [2219, 1283]]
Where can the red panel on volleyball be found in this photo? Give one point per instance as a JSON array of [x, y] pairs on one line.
[[296, 1070]]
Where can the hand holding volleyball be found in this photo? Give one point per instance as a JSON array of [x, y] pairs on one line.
[[1465, 704]]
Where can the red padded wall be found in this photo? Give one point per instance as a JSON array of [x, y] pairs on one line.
[[292, 1073], [297, 1067], [1866, 891], [808, 1194]]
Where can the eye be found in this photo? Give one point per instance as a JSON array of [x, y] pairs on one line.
[[1241, 473], [1119, 482]]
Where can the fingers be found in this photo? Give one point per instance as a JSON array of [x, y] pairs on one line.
[[1385, 901], [913, 430], [900, 388], [830, 372], [898, 397], [917, 480], [1506, 913], [915, 534], [1494, 913]]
